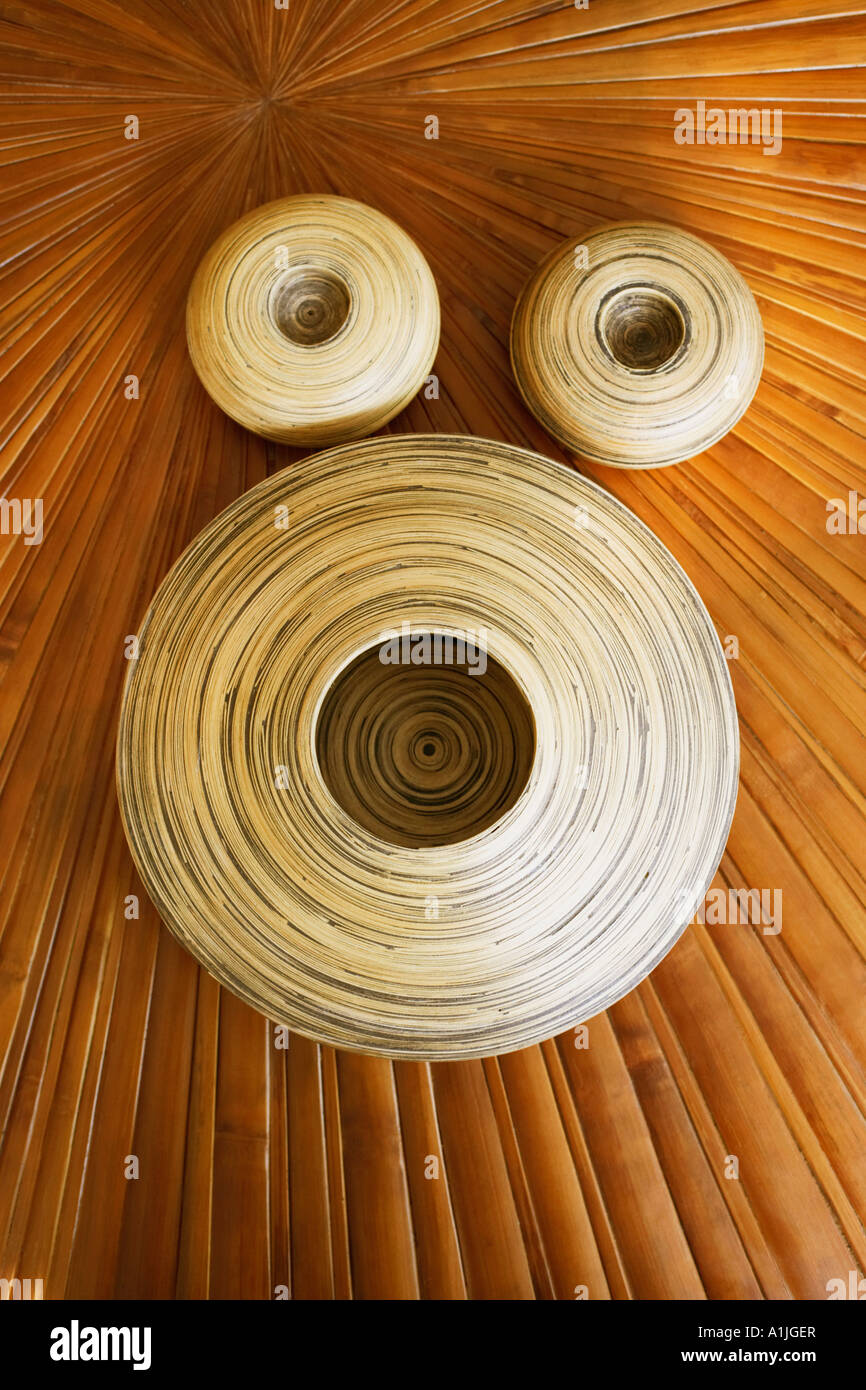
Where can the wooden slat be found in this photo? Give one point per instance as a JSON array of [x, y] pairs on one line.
[[440, 1272], [240, 1228], [312, 1257], [377, 1195]]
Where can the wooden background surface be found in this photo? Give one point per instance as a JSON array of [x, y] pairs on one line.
[[602, 1167]]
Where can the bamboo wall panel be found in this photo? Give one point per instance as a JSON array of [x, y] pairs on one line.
[[263, 1170]]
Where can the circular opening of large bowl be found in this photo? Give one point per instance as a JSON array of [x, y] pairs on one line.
[[425, 739]]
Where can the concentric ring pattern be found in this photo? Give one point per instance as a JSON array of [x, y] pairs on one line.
[[605, 1166], [429, 752], [548, 915], [313, 320], [646, 355]]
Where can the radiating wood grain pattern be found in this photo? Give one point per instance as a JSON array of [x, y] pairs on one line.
[[743, 1042]]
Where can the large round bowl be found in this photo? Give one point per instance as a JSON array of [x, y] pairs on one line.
[[430, 749], [637, 345], [313, 320]]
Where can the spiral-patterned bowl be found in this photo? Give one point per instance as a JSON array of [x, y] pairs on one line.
[[430, 748], [637, 345], [313, 320]]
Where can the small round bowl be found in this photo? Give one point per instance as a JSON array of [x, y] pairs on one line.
[[637, 345], [313, 320]]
